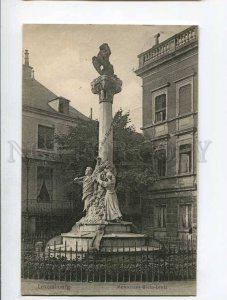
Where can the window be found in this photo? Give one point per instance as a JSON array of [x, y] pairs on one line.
[[160, 108], [185, 216], [184, 96], [185, 158], [44, 184], [185, 99], [160, 213], [45, 137], [160, 156]]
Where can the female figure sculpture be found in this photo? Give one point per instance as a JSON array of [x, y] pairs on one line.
[[112, 209]]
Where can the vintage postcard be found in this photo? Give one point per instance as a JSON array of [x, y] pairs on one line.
[[109, 166]]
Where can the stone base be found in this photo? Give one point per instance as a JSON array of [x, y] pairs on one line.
[[113, 236], [109, 227]]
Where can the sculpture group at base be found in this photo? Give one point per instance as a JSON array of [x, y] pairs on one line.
[[102, 226], [99, 195]]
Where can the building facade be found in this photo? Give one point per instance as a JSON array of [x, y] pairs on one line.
[[45, 202], [169, 72]]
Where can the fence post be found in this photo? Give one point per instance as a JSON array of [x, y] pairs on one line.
[[187, 260], [152, 265], [49, 265], [81, 265], [94, 268], [28, 267], [123, 263], [54, 260], [192, 258], [129, 264], [159, 261], [175, 252], [105, 265], [70, 272], [117, 265], [87, 267], [169, 259], [147, 265], [135, 277], [38, 263], [141, 264], [76, 262], [44, 264], [100, 261], [183, 258], [65, 261], [111, 264], [59, 266]]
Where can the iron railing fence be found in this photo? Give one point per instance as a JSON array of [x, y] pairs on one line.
[[29, 240], [125, 264]]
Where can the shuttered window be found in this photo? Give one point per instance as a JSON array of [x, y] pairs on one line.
[[185, 99]]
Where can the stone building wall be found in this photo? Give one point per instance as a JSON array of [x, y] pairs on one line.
[[174, 192]]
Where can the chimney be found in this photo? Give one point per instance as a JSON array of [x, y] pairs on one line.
[[91, 113], [63, 106], [33, 73], [28, 72], [26, 57], [157, 39]]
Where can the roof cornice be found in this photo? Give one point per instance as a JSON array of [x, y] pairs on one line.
[[39, 111]]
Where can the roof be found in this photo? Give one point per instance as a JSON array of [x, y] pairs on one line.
[[38, 96]]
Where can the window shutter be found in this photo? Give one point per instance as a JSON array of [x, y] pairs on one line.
[[185, 99]]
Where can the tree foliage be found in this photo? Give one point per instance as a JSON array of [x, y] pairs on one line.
[[133, 157]]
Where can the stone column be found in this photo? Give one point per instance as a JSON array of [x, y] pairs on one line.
[[106, 86], [105, 131]]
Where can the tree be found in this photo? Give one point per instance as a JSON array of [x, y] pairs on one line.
[[133, 155]]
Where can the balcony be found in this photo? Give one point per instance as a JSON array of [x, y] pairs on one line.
[[169, 46], [179, 181], [54, 208]]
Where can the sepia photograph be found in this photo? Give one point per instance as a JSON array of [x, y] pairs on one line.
[[109, 160]]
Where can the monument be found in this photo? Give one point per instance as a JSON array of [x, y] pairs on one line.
[[102, 227]]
